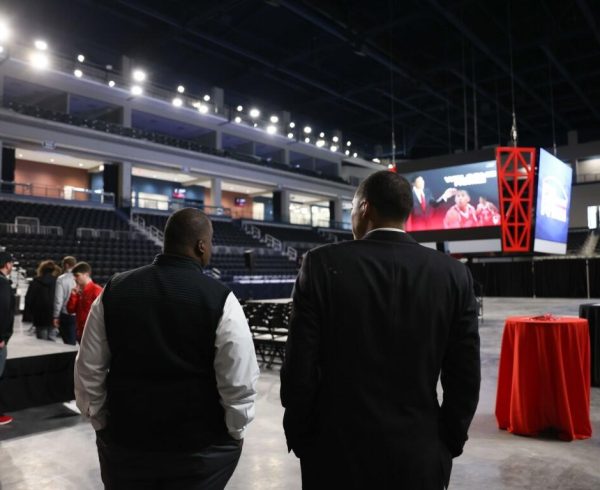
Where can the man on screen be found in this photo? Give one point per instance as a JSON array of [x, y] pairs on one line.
[[487, 213], [462, 214], [424, 203]]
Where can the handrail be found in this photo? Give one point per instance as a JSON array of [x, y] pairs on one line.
[[67, 193], [273, 242], [292, 253]]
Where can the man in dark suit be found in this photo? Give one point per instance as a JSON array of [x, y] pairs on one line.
[[424, 204], [375, 321]]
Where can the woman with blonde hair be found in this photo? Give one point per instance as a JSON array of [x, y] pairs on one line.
[[39, 300]]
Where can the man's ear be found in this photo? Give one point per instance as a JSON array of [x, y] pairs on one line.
[[200, 247], [366, 210]]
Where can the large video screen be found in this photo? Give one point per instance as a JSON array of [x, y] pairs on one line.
[[457, 197], [553, 203]]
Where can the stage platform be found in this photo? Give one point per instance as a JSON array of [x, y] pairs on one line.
[[38, 372]]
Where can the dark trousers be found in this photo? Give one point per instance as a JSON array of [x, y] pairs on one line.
[[128, 469], [66, 328]]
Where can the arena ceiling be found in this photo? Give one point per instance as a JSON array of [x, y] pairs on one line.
[[437, 71]]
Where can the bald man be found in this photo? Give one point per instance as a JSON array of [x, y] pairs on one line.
[[166, 371]]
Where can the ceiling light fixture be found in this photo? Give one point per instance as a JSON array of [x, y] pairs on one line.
[[78, 73], [177, 102], [271, 129], [206, 98], [274, 119], [254, 113], [137, 90], [307, 129], [139, 75], [39, 60], [111, 83], [180, 89], [240, 108], [40, 44], [80, 58]]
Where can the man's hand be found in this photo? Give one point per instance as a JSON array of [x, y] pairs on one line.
[[2, 344], [448, 193], [55, 323]]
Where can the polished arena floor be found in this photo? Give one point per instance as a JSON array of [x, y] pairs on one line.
[[52, 448]]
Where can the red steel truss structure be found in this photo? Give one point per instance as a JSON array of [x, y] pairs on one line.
[[516, 177]]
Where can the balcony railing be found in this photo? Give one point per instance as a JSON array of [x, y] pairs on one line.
[[66, 193]]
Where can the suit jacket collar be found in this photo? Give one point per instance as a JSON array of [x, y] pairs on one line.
[[390, 236], [176, 261]]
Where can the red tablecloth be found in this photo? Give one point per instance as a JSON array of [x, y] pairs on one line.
[[544, 377]]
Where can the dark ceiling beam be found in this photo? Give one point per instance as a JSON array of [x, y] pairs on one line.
[[569, 79], [480, 45], [242, 53], [369, 50], [491, 98], [589, 17]]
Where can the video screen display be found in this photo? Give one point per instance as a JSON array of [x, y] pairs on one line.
[[457, 197], [553, 204]]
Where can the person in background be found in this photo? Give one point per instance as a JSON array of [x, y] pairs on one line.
[[7, 316], [375, 323], [39, 300], [166, 371], [82, 296], [487, 213], [424, 203], [63, 320]]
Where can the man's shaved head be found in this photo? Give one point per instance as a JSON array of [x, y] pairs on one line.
[[189, 232]]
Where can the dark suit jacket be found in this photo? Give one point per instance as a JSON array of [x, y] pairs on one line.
[[417, 210], [374, 323]]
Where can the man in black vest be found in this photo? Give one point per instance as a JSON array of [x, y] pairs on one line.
[[375, 321], [7, 316], [166, 371]]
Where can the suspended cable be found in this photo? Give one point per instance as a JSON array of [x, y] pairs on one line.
[[475, 128], [552, 108], [513, 130], [465, 115], [392, 98]]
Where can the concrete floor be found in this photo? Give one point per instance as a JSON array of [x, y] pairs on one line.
[[51, 448]]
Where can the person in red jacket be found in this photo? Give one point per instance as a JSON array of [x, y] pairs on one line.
[[82, 296]]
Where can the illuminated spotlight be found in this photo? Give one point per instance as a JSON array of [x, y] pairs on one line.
[[4, 31], [139, 75], [390, 166], [240, 108], [291, 136], [180, 89], [177, 102], [238, 119], [52, 160], [20, 155], [206, 98], [111, 83], [307, 140], [320, 143], [137, 90], [335, 139], [80, 164], [307, 129], [321, 134], [80, 58], [347, 152], [101, 168], [292, 125], [355, 155], [254, 113], [203, 108], [78, 73], [333, 148], [41, 45], [348, 143], [39, 61], [255, 125], [376, 160], [274, 119], [271, 129]]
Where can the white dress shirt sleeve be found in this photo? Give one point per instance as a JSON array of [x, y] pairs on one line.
[[91, 367], [235, 367]]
